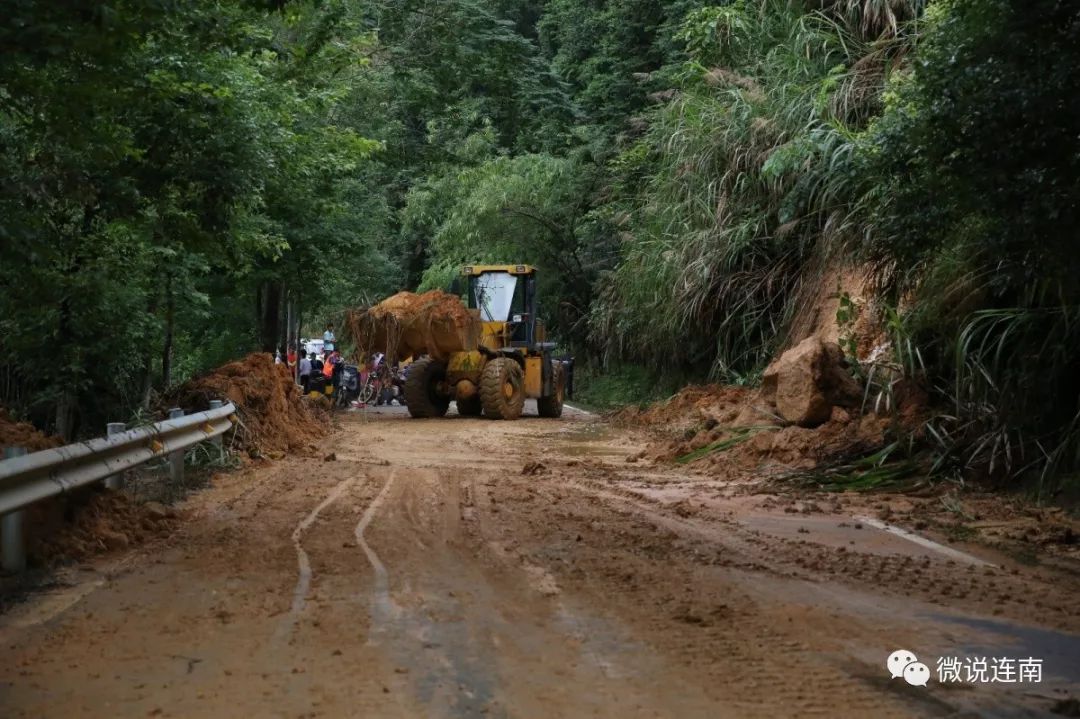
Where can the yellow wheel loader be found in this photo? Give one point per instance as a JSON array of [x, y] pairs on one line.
[[511, 360]]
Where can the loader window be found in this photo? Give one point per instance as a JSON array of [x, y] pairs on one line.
[[493, 294]]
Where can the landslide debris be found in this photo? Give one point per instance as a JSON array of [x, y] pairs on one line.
[[275, 418], [90, 522], [805, 413], [692, 406], [407, 324], [24, 434]]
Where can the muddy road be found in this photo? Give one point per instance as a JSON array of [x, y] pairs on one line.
[[467, 568]]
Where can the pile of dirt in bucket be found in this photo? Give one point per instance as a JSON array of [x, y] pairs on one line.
[[24, 434], [91, 522], [275, 418], [407, 324]]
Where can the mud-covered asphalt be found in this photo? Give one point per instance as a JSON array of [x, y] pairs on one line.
[[467, 568]]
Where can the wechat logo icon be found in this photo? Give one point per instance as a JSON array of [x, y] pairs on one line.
[[903, 663]]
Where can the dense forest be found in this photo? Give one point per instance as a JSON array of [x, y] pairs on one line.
[[186, 180]]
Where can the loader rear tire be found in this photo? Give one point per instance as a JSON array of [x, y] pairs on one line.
[[470, 407], [502, 389], [552, 406], [421, 389]]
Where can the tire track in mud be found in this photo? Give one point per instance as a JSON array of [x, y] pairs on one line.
[[764, 667], [303, 582], [381, 588], [452, 676]]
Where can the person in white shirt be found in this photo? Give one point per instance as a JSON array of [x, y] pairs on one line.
[[304, 370], [328, 339]]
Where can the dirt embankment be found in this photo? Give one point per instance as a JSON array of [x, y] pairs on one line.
[[275, 418]]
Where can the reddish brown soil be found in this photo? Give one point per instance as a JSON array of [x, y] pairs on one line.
[[692, 406], [407, 324], [24, 434], [275, 417], [91, 522], [423, 574]]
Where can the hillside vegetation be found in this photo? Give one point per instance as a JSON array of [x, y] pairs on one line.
[[184, 181]]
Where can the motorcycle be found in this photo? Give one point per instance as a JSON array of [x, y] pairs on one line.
[[347, 385]]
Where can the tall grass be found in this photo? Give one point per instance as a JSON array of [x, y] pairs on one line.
[[976, 178], [748, 178]]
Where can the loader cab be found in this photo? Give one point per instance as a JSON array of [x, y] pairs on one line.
[[505, 296]]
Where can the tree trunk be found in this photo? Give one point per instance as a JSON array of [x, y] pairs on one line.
[[167, 349], [269, 307], [65, 414]]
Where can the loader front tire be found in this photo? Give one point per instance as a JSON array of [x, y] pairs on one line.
[[422, 392], [502, 389], [552, 406]]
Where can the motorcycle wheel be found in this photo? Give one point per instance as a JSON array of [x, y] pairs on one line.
[[366, 393]]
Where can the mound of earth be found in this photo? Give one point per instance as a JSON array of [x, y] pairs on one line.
[[692, 407], [435, 323], [92, 522], [806, 412], [734, 448], [24, 434], [275, 417]]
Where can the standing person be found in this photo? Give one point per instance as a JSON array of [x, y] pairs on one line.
[[329, 364], [328, 339], [316, 363], [305, 371]]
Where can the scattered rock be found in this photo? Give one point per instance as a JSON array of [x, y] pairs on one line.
[[158, 511], [113, 540], [534, 468], [840, 415], [332, 457]]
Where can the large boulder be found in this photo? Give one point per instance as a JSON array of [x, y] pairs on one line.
[[808, 380]]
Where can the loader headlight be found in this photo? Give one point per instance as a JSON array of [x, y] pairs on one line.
[[517, 318]]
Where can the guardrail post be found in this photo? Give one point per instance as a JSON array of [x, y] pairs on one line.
[[176, 459], [216, 440], [115, 481], [11, 529]]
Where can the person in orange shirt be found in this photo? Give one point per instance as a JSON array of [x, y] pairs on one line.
[[331, 362]]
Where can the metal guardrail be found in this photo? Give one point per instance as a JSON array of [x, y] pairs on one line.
[[29, 478]]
